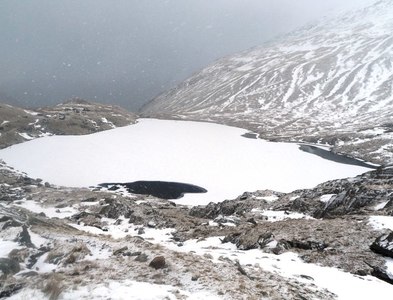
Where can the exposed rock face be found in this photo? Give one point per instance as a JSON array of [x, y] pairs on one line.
[[301, 87], [74, 117]]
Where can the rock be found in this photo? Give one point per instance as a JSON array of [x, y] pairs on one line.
[[158, 262], [9, 290], [121, 250], [19, 255], [24, 239], [9, 266], [141, 257], [151, 224], [195, 278], [383, 245], [307, 245], [244, 240], [382, 274], [11, 223]]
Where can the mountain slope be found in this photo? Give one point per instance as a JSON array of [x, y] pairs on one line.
[[329, 83]]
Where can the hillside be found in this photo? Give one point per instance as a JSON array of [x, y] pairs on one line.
[[74, 117], [327, 83]]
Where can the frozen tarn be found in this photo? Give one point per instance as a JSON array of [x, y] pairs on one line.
[[211, 156]]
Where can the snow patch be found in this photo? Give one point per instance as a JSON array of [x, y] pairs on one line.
[[274, 215], [326, 198], [381, 222]]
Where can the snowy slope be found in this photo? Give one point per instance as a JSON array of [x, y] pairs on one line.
[[212, 156], [331, 82]]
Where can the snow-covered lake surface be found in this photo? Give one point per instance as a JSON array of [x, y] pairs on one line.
[[212, 156]]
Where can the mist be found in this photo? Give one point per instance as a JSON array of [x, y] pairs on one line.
[[126, 52]]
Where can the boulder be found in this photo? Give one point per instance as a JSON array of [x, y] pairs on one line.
[[9, 266], [383, 245], [24, 239], [158, 262]]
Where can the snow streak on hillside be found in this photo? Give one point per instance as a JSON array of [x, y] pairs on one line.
[[318, 83]]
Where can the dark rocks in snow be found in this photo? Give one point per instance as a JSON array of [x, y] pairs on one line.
[[307, 245], [225, 208], [141, 257], [120, 250], [249, 240], [383, 245], [24, 239], [382, 274], [254, 239], [158, 262], [9, 290]]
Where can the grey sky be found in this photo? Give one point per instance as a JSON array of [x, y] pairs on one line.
[[128, 51]]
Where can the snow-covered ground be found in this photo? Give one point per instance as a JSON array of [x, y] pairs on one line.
[[212, 156], [289, 264]]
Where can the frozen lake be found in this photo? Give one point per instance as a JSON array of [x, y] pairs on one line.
[[211, 156]]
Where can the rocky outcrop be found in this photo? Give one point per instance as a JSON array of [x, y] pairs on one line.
[[73, 117], [383, 245]]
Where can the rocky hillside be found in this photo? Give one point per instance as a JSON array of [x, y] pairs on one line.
[[68, 243], [74, 117], [327, 83]]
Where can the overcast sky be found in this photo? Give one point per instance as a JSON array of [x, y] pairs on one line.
[[128, 51]]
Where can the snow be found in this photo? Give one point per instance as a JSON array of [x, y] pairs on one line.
[[389, 267], [326, 198], [118, 231], [50, 212], [127, 289], [268, 198], [7, 246], [381, 222], [380, 205], [212, 156], [43, 267], [31, 112], [278, 215], [25, 136], [343, 284]]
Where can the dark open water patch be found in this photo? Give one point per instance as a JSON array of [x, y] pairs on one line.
[[342, 159], [250, 135], [159, 189]]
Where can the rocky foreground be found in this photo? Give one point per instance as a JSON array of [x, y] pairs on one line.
[[57, 240]]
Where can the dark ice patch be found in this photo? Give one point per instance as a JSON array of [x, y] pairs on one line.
[[159, 189], [329, 155]]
